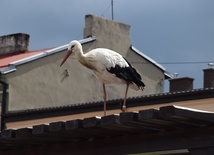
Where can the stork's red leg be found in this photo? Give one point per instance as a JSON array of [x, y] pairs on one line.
[[124, 102], [104, 98]]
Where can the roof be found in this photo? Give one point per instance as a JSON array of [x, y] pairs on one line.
[[9, 59], [169, 128], [9, 62]]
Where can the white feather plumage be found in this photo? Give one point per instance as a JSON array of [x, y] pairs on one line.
[[108, 66]]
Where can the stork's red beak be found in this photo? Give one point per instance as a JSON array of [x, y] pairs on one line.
[[66, 57]]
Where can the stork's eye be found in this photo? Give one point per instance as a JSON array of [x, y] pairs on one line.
[[72, 46]]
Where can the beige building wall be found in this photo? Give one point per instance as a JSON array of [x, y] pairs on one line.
[[42, 83]]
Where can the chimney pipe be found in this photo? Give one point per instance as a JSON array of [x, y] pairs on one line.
[[14, 43], [208, 78], [181, 84]]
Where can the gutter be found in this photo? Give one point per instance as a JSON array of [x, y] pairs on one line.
[[12, 66]]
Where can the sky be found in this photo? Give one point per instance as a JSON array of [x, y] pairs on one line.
[[178, 34]]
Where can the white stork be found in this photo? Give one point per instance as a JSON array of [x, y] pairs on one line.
[[108, 66]]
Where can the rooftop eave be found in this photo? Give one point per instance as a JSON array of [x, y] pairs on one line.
[[12, 66], [166, 73]]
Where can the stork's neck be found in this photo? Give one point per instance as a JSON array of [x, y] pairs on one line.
[[83, 59], [80, 55]]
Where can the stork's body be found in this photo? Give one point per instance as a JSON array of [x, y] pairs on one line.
[[108, 66]]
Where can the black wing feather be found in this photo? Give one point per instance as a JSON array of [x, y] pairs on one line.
[[128, 74]]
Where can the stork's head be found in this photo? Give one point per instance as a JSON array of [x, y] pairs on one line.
[[73, 46]]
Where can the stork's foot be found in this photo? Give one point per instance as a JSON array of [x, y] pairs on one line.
[[123, 108]]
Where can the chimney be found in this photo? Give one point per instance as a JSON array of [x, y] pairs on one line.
[[208, 78], [109, 33], [14, 43], [181, 84]]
